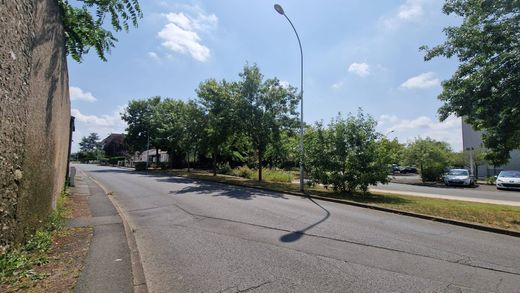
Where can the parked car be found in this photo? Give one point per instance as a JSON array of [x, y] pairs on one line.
[[407, 170], [460, 177], [508, 180]]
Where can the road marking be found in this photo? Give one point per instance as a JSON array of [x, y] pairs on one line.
[[450, 197]]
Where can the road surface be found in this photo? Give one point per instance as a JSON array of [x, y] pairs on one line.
[[482, 193], [196, 236]]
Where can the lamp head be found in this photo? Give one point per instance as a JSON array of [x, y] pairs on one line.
[[279, 9]]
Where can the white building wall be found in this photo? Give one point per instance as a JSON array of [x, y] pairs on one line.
[[473, 139]]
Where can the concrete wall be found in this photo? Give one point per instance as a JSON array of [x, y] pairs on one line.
[[34, 113]]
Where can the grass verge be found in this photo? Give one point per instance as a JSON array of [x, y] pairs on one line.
[[51, 259], [499, 216]]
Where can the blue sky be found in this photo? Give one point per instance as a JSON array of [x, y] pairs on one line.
[[357, 54]]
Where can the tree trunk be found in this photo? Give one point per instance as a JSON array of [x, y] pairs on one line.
[[157, 158], [259, 165], [214, 163], [170, 159], [188, 161]]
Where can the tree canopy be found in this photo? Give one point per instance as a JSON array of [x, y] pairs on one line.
[[266, 107], [90, 143], [431, 156], [85, 26], [485, 89], [139, 116], [345, 154]]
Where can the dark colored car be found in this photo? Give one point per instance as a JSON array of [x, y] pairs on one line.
[[408, 170]]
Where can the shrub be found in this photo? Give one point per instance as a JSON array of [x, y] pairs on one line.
[[432, 174], [346, 154], [431, 156], [276, 175], [244, 172], [140, 166], [491, 180], [224, 168], [18, 262]]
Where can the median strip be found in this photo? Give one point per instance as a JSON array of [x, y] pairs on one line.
[[489, 217]]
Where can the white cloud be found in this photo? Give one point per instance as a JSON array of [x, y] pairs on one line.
[[421, 81], [407, 130], [338, 85], [100, 124], [360, 69], [77, 94], [410, 9], [153, 55], [182, 33]]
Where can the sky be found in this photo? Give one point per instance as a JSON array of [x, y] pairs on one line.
[[358, 54]]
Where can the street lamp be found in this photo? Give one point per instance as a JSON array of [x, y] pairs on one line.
[[280, 10]]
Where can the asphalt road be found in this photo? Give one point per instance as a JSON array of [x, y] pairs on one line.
[[207, 237], [481, 193]]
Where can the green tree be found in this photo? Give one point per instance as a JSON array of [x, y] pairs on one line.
[[218, 101], [265, 108], [142, 128], [90, 148], [85, 26], [318, 148], [180, 128], [393, 149], [457, 159], [485, 89], [284, 152], [431, 156], [346, 154], [194, 123], [90, 143]]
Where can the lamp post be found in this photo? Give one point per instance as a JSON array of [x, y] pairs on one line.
[[280, 10], [471, 163]]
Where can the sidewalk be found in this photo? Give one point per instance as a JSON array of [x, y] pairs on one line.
[[108, 266]]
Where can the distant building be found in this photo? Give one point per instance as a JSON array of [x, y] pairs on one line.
[[151, 156], [114, 146], [472, 140]]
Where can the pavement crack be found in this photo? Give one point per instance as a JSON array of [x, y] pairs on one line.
[[253, 287]]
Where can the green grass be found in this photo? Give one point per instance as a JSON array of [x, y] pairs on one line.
[[270, 175], [500, 216], [19, 261]]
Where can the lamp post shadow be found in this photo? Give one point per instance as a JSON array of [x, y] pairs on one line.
[[297, 235]]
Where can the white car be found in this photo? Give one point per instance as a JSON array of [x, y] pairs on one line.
[[459, 177], [508, 180]]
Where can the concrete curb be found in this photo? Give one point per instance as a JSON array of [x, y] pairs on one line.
[[373, 207], [139, 280]]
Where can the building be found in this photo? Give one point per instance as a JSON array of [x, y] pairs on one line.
[[114, 146], [472, 141], [151, 156]]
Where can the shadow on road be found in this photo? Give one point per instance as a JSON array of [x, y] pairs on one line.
[[296, 235], [218, 189]]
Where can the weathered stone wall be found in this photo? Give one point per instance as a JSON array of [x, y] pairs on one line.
[[34, 113]]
